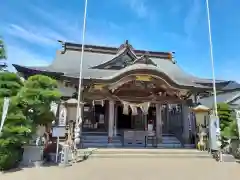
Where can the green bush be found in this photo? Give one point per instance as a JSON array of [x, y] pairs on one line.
[[9, 158]]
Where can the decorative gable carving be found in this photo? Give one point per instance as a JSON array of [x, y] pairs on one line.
[[144, 60], [125, 56], [124, 47]]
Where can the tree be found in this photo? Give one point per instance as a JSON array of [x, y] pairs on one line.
[[2, 55], [228, 124], [17, 128], [2, 50], [38, 93]]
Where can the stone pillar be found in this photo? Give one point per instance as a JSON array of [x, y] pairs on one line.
[[159, 122], [185, 133], [110, 120]]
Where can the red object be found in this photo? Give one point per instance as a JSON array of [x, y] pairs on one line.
[[109, 139], [50, 148]]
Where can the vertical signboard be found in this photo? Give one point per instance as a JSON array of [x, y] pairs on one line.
[[214, 132], [62, 116]]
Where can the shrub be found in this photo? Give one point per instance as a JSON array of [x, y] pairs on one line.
[[9, 158]]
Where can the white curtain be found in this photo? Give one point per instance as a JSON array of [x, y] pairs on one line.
[[144, 107], [125, 108], [134, 109]]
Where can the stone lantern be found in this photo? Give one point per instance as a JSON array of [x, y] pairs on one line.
[[202, 123]]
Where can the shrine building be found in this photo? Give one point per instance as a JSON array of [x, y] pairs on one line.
[[132, 98]]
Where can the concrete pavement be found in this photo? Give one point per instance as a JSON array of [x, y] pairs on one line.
[[133, 169]]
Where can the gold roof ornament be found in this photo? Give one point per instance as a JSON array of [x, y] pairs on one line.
[[145, 78], [98, 86]]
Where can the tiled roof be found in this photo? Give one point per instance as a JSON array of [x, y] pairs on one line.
[[224, 97], [68, 63]]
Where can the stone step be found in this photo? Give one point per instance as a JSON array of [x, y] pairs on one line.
[[149, 151], [119, 137], [146, 156], [99, 137], [100, 140], [91, 145], [95, 133], [146, 153]]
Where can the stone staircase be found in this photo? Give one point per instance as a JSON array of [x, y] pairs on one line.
[[145, 153], [100, 140], [168, 141]]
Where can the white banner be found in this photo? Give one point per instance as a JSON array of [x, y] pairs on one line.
[[214, 131], [238, 121], [54, 108], [62, 116], [4, 113]]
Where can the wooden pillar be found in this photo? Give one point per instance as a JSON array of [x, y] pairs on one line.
[[167, 118], [115, 119], [185, 133], [158, 123], [106, 114], [110, 121]]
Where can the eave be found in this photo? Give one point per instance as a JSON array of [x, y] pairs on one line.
[[30, 71]]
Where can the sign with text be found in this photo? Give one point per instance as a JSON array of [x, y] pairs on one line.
[[58, 131]]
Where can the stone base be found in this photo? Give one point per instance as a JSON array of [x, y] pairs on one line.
[[31, 155], [109, 139], [38, 164], [110, 145], [64, 165], [228, 158]]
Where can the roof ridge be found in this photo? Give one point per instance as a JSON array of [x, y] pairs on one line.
[[113, 50]]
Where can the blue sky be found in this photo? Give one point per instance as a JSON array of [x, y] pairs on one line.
[[31, 29]]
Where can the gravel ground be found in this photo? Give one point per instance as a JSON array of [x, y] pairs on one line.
[[132, 169]]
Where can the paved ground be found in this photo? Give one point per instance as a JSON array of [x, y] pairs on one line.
[[132, 169]]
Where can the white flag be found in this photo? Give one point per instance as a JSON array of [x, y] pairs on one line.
[[54, 108], [238, 121], [4, 113]]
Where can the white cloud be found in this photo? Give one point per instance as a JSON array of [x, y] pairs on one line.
[[66, 29], [192, 19], [29, 34], [141, 8], [20, 55], [24, 35]]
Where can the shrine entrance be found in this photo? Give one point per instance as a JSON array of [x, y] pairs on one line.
[[124, 121]]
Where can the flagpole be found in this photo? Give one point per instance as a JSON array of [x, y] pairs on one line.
[[214, 82], [79, 107], [212, 59]]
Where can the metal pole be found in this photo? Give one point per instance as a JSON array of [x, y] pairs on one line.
[[78, 118], [212, 60], [213, 77], [79, 111]]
